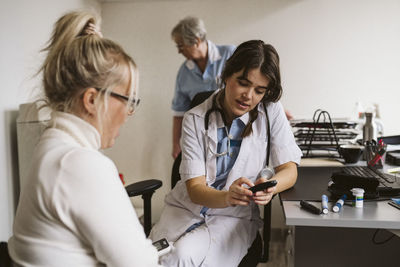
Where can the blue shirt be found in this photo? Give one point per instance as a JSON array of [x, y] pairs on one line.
[[226, 162], [191, 81]]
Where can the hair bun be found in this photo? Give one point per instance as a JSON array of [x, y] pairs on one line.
[[91, 29]]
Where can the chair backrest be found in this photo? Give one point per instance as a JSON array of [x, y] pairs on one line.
[[200, 98]]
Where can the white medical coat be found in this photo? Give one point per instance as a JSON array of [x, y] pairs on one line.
[[197, 160]]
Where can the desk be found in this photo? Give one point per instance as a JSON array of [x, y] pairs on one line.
[[339, 239], [377, 214]]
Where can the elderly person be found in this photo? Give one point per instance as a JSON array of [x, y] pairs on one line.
[[73, 208], [199, 73]]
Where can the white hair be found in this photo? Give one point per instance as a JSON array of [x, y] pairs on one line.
[[189, 29]]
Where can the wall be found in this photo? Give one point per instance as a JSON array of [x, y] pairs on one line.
[[25, 27], [333, 53]]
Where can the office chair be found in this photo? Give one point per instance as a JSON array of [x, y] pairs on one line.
[[259, 250], [146, 189]]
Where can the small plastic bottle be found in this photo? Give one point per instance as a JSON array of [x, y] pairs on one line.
[[358, 194]]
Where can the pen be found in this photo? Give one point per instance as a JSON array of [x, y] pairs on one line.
[[377, 157], [381, 143], [310, 207], [339, 203], [324, 204]]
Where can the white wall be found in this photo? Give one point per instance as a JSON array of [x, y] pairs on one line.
[[25, 26], [333, 53]]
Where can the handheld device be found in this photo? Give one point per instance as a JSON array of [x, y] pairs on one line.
[[162, 246], [263, 186]]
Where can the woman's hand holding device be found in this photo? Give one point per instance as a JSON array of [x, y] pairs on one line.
[[239, 195], [263, 191]]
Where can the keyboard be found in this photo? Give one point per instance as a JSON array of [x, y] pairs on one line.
[[385, 180]]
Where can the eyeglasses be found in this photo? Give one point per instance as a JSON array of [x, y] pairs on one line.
[[181, 46], [132, 104]]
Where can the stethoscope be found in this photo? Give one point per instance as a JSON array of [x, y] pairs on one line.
[[215, 108]]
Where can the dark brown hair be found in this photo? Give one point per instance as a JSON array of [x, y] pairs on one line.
[[255, 54]]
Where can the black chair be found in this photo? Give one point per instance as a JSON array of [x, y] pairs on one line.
[[259, 250], [5, 260], [146, 189]]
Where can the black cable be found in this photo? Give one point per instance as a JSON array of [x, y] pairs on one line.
[[269, 134], [380, 242]]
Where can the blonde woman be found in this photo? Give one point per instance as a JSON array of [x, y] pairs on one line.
[[73, 209]]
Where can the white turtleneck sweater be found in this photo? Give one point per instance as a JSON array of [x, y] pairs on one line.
[[73, 209]]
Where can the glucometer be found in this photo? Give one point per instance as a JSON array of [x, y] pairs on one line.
[[263, 186], [162, 246]]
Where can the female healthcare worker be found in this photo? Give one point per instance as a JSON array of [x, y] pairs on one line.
[[211, 215]]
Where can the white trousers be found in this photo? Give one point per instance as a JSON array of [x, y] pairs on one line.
[[220, 241], [190, 250]]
